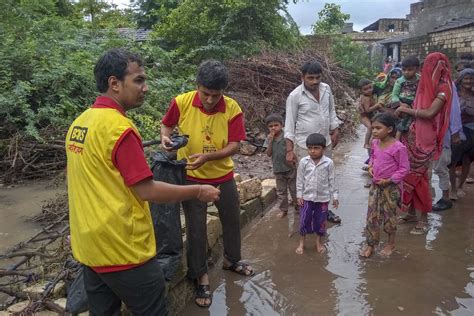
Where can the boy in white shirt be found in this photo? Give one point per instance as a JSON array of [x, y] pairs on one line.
[[315, 186]]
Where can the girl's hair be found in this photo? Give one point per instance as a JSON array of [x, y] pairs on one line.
[[364, 82], [388, 120], [316, 139]]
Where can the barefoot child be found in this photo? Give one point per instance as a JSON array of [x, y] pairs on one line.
[[315, 186], [285, 174], [388, 166], [367, 107]]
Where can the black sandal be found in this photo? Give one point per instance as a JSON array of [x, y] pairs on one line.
[[240, 268], [203, 291], [333, 218]]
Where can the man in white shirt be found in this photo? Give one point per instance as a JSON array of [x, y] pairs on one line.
[[310, 109]]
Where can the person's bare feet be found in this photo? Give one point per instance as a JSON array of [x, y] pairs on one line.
[[299, 250], [366, 252], [321, 249], [387, 250], [282, 214]]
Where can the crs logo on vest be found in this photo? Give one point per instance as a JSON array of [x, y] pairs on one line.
[[78, 134]]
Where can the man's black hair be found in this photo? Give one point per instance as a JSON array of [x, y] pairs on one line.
[[411, 61], [273, 117], [363, 82], [316, 139], [464, 63], [312, 68], [213, 75], [113, 63], [388, 120]]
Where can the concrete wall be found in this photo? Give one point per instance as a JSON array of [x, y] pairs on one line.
[[437, 12], [372, 37], [451, 43]]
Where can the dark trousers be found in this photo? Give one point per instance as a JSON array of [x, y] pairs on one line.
[[195, 213], [142, 289]]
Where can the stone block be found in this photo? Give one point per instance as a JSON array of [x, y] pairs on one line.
[[268, 196], [18, 307], [249, 189], [35, 291], [214, 230], [5, 313], [237, 177], [250, 209], [247, 149], [212, 210]]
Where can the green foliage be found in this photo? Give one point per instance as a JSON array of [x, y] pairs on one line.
[[151, 12], [227, 28], [331, 19], [353, 57]]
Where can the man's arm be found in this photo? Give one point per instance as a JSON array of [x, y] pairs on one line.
[[333, 121], [161, 192], [290, 124], [165, 136]]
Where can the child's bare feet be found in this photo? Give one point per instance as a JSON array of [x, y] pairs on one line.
[[366, 252], [299, 250], [321, 249], [282, 214], [387, 250]]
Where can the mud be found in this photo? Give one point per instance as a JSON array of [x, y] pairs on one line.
[[17, 205], [430, 274]]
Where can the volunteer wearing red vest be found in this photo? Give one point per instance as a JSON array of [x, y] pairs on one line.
[[215, 127], [109, 183]]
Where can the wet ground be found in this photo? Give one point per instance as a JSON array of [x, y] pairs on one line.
[[17, 205], [427, 275]]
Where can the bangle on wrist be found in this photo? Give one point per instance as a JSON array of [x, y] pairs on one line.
[[416, 113], [199, 193]]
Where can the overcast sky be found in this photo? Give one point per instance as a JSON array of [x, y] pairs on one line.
[[363, 12]]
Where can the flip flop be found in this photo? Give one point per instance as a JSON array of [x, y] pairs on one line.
[[333, 218], [240, 268], [203, 291], [404, 219]]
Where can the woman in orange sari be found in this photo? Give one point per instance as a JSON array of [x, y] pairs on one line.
[[431, 109]]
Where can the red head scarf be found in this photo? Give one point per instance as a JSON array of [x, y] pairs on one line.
[[436, 73]]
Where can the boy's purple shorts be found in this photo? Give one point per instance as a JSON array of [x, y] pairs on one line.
[[313, 217]]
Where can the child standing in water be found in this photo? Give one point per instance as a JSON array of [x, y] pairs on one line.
[[388, 165], [315, 186]]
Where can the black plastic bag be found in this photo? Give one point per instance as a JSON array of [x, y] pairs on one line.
[[77, 302], [166, 217]]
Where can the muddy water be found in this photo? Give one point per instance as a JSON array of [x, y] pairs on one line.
[[17, 205], [430, 274]]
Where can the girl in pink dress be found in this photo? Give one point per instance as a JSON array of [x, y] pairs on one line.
[[388, 166]]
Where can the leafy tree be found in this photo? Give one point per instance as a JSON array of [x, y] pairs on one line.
[[151, 12], [226, 28], [331, 19]]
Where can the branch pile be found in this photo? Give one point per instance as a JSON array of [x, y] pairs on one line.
[[24, 157], [262, 83], [43, 259]]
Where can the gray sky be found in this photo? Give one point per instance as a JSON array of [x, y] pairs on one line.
[[363, 12]]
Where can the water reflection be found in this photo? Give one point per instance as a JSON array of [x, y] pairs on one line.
[[254, 296]]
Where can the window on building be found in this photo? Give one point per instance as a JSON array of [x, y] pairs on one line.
[[391, 28]]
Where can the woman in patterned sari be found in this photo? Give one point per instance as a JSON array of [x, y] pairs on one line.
[[431, 109]]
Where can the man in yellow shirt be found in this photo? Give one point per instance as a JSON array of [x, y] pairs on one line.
[[215, 126], [109, 183]]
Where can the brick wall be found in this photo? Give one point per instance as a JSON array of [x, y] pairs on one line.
[[452, 43]]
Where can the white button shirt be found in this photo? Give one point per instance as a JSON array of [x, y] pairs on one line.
[[305, 115], [316, 182]]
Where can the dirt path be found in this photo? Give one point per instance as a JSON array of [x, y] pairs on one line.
[[430, 274]]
